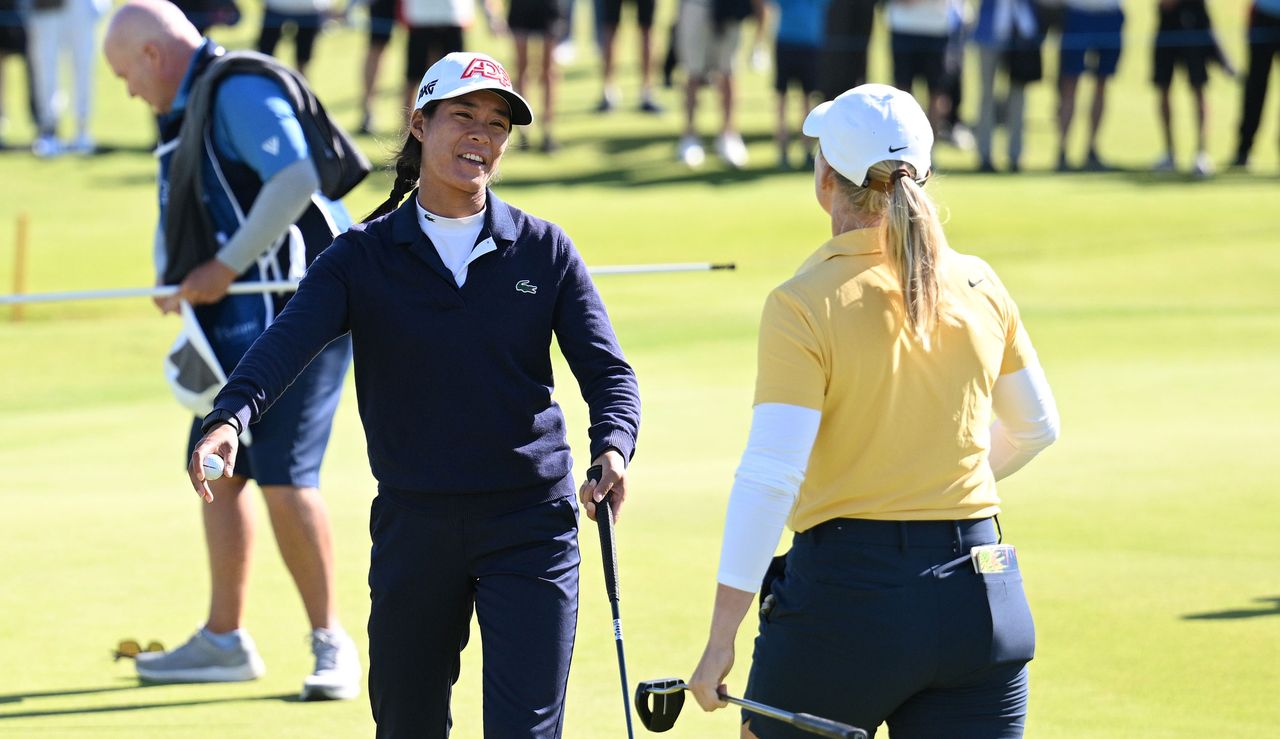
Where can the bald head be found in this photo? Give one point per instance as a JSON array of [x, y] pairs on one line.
[[149, 45]]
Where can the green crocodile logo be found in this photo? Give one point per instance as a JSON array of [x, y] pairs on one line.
[[523, 286]]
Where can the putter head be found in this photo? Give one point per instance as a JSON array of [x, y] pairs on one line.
[[658, 712]]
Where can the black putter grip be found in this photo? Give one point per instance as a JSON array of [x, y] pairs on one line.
[[827, 727], [604, 519]]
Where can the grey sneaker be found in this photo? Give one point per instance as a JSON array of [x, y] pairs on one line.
[[46, 147], [201, 661], [337, 673]]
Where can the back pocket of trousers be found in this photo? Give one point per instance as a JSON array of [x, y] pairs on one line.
[[1013, 633]]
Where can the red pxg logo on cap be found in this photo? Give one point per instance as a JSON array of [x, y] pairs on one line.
[[489, 69]]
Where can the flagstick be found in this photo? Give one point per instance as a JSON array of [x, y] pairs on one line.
[[240, 288]]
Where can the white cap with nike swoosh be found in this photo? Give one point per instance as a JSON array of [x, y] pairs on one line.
[[870, 124], [462, 72]]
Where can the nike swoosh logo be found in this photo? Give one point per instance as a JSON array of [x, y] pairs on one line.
[[892, 150], [975, 283]]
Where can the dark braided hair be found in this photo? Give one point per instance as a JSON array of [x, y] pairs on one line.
[[407, 166]]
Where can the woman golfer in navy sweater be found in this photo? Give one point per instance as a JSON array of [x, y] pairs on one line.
[[451, 300]]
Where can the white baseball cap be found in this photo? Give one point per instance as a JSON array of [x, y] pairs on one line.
[[870, 124], [462, 72]]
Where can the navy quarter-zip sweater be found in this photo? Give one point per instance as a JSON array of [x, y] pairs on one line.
[[454, 383]]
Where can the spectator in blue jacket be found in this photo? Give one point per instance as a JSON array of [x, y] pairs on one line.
[[451, 301], [1008, 37]]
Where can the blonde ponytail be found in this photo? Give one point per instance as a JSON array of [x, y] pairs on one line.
[[913, 240], [913, 237]]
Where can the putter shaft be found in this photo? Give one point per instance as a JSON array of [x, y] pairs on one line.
[[609, 557], [814, 724]]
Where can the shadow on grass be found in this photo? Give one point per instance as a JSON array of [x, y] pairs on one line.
[[128, 179], [1131, 175], [102, 149], [14, 698], [1271, 609], [20, 697]]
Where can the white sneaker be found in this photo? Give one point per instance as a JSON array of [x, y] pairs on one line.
[[962, 138], [46, 147], [1204, 165], [731, 149], [1165, 165], [565, 53], [337, 673], [202, 661], [690, 151]]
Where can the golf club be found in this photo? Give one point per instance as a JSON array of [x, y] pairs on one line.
[[239, 288], [609, 555], [668, 697]]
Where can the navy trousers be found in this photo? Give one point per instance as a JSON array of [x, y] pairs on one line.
[[435, 562], [886, 621]]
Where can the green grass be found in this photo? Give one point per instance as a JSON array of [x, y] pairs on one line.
[[1147, 533]]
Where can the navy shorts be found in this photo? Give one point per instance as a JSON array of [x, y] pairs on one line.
[[1091, 42], [13, 34], [795, 63], [538, 17], [916, 55], [428, 45], [611, 12], [1174, 51], [306, 28], [289, 442], [382, 21], [887, 621], [509, 557]]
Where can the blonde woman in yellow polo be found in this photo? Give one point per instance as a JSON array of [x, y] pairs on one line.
[[896, 385]]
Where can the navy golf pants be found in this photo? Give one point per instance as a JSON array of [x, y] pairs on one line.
[[431, 565], [886, 622]]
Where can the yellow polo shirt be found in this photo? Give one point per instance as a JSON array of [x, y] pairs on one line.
[[905, 429]]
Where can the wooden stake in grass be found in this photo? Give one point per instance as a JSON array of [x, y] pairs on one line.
[[19, 263]]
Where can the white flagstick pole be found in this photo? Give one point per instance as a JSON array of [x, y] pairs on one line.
[[237, 288], [240, 288], [642, 269]]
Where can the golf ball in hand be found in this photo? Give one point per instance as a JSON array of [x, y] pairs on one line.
[[212, 467]]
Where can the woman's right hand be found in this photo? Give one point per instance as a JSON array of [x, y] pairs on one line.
[[708, 677], [221, 441]]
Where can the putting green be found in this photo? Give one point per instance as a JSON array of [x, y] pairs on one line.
[[1147, 534]]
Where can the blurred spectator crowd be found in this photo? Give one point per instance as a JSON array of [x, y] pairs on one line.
[[818, 49]]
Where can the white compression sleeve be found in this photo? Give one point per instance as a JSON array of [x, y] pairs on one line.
[[1026, 419], [765, 489], [280, 202]]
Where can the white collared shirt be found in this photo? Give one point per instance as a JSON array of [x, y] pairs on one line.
[[455, 240]]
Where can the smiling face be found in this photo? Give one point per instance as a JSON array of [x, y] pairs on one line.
[[462, 143]]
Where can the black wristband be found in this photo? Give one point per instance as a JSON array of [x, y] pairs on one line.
[[221, 415]]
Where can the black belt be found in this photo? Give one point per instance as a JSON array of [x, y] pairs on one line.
[[958, 535]]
